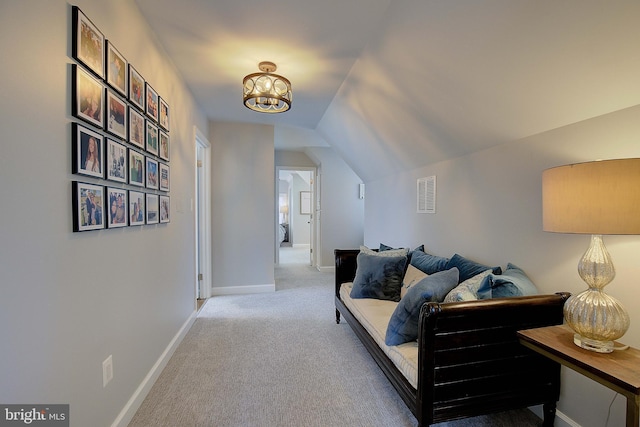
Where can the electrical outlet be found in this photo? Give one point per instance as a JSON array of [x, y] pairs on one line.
[[107, 371]]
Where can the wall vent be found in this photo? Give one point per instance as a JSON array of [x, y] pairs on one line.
[[427, 195]]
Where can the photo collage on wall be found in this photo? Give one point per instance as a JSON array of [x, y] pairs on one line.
[[121, 141]]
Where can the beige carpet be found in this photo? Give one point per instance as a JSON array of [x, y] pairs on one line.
[[280, 360]]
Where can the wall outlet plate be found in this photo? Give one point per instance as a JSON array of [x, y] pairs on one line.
[[107, 371]]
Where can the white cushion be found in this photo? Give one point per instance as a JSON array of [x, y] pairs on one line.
[[374, 315]]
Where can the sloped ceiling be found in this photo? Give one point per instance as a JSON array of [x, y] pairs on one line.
[[395, 85]]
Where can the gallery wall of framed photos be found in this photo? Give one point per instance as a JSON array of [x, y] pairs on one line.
[[120, 141]]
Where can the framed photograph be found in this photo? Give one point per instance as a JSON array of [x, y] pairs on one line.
[[165, 210], [152, 138], [116, 165], [88, 97], [117, 213], [88, 149], [164, 115], [136, 128], [117, 75], [152, 173], [116, 115], [152, 102], [164, 145], [88, 206], [88, 43], [136, 207], [152, 209], [136, 88], [136, 168], [164, 176], [305, 203]]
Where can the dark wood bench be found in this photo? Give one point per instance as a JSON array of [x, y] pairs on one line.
[[470, 361]]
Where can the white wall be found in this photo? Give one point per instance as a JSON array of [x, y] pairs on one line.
[[489, 209], [243, 207], [69, 300], [341, 210]]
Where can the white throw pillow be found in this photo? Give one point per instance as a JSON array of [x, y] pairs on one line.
[[411, 277]]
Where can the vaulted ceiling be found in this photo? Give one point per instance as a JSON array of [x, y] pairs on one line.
[[393, 85]]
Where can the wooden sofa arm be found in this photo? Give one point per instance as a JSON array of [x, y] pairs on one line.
[[470, 360]]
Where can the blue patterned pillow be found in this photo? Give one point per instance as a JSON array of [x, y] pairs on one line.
[[469, 268], [467, 290], [378, 277], [513, 283], [428, 263], [403, 325]]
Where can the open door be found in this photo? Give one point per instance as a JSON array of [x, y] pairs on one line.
[[295, 202]]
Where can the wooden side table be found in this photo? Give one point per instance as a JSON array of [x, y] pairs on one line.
[[620, 370]]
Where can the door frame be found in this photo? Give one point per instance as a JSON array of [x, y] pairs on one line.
[[313, 219], [202, 214]]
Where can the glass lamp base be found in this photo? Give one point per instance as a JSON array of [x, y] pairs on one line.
[[593, 345]]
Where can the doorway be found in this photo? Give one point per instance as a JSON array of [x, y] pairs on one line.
[[295, 205], [202, 219]]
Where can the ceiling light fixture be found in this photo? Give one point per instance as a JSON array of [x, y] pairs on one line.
[[266, 92]]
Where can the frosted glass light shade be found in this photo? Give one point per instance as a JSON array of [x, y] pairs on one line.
[[597, 318], [594, 198]]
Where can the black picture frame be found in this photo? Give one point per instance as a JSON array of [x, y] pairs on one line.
[[151, 103], [88, 43], [151, 138], [136, 88], [164, 115], [87, 97], [117, 70], [164, 145], [164, 209], [136, 168], [151, 168], [87, 152], [88, 206], [116, 161], [152, 206], [116, 109], [137, 211], [117, 211], [164, 177], [136, 128]]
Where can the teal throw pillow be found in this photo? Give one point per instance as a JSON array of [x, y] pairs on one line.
[[469, 268], [378, 277], [403, 325], [428, 263], [512, 283]]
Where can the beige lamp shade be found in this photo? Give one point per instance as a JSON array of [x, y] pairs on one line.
[[601, 197]]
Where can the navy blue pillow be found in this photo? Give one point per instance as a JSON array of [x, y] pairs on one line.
[[403, 325], [378, 277], [469, 268], [428, 263], [513, 283]]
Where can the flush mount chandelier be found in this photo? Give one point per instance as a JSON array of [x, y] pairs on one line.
[[266, 92]]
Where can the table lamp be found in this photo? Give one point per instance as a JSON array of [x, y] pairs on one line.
[[601, 197]]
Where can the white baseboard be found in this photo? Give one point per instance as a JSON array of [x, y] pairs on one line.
[[561, 419], [242, 290], [326, 269], [126, 415]]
